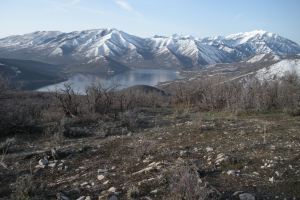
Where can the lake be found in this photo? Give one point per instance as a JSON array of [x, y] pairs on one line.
[[127, 79]]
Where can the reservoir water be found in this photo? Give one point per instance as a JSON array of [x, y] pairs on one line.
[[151, 77]]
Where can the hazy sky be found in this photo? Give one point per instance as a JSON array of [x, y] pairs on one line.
[[199, 18]]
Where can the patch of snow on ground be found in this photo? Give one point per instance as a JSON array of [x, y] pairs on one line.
[[1, 64], [279, 69], [256, 58]]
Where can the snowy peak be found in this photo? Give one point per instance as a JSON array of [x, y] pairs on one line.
[[95, 46]]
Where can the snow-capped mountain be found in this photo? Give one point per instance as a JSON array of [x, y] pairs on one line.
[[103, 47], [245, 45]]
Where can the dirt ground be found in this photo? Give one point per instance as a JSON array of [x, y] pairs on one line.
[[232, 154]]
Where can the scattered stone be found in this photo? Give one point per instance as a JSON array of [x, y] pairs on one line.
[[112, 190], [40, 166], [150, 167], [106, 182], [102, 171], [43, 162], [237, 193], [81, 198], [256, 173], [154, 191], [87, 198], [182, 152], [272, 180], [84, 184], [100, 177], [277, 173], [221, 158], [246, 196], [209, 149], [233, 172], [52, 165]]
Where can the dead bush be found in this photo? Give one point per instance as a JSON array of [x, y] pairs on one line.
[[100, 99], [249, 95], [23, 188], [4, 84], [289, 94], [185, 184], [21, 116], [69, 101]]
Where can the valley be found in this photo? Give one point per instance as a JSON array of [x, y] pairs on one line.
[[105, 115]]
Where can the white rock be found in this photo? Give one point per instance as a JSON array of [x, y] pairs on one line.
[[43, 162], [209, 149], [237, 193], [102, 171], [233, 172], [153, 192], [87, 198], [106, 182], [100, 177], [256, 173], [81, 198], [112, 189], [84, 184], [272, 180], [52, 165]]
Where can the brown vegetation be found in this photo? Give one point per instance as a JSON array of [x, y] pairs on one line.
[[156, 140]]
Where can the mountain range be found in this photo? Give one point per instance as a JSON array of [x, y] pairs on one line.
[[105, 49]]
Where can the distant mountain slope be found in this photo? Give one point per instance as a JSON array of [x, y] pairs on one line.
[[101, 47], [279, 69], [29, 74]]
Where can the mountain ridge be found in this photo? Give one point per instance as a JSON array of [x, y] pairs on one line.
[[94, 47]]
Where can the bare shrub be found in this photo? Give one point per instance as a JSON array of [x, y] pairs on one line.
[[185, 184], [69, 101], [100, 99], [133, 193], [248, 95], [4, 148], [130, 119], [144, 148], [197, 123], [4, 84], [21, 116], [23, 188], [289, 94]]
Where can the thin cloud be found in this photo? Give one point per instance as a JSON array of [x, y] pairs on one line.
[[238, 16], [125, 5], [67, 5]]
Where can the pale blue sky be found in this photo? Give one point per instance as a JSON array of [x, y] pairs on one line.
[[145, 18]]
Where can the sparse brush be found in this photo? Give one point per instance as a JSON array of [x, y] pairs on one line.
[[133, 193], [185, 184], [23, 188]]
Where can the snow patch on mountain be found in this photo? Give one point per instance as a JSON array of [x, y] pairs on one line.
[[279, 69], [241, 38], [256, 58]]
